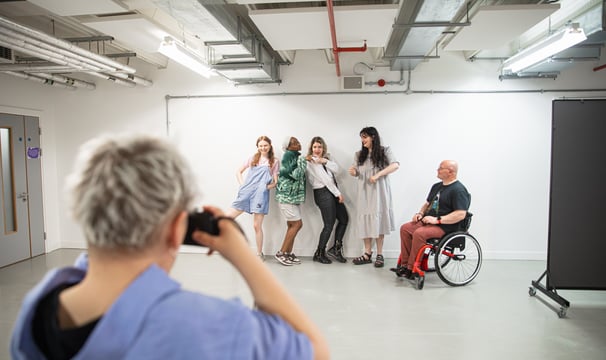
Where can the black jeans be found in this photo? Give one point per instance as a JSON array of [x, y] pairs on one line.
[[332, 210]]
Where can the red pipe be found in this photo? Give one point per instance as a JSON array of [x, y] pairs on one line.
[[599, 67], [333, 34]]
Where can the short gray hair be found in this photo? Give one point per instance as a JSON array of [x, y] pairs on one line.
[[125, 188]]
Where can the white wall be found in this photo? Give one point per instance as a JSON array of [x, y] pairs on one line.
[[501, 140]]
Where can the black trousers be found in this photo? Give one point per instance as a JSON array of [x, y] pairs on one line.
[[332, 211]]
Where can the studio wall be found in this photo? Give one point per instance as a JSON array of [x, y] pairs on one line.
[[498, 131]]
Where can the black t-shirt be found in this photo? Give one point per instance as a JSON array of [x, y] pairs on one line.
[[444, 199], [54, 342]]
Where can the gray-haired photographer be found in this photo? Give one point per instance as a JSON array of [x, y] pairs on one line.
[[132, 196]]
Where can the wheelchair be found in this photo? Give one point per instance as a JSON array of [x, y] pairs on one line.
[[456, 257]]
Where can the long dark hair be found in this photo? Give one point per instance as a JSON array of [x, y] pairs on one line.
[[377, 155]]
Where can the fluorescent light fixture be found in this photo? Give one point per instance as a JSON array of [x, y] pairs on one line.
[[185, 57], [542, 50]]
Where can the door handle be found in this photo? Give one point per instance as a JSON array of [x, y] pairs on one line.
[[22, 195]]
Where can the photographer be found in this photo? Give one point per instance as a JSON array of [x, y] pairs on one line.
[[131, 195]]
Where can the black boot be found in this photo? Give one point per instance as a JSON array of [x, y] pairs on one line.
[[336, 252], [320, 256]]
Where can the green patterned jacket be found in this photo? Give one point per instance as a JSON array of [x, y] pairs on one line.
[[291, 181]]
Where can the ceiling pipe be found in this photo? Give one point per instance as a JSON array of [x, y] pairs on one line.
[[120, 78], [50, 50], [40, 80], [67, 81], [113, 78], [63, 44], [46, 67], [32, 50], [130, 77], [333, 35]]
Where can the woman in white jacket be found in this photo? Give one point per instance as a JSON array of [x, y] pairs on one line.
[[321, 175]]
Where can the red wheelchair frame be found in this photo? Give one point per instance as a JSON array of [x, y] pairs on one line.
[[457, 257]]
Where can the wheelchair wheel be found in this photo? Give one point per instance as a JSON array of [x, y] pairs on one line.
[[431, 260], [458, 259]]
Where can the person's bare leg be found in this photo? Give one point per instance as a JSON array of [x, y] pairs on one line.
[[258, 226], [292, 228], [380, 244], [233, 213]]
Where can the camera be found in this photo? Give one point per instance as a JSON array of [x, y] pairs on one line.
[[202, 221]]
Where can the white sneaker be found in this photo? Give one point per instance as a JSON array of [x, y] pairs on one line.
[[293, 258], [261, 256], [283, 259]]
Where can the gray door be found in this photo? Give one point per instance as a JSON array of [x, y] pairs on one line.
[[21, 198]]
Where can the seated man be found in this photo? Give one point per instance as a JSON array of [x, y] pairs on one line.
[[446, 205]]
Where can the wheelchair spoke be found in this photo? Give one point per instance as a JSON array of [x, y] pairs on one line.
[[459, 260]]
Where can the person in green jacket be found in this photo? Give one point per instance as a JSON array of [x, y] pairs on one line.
[[290, 194]]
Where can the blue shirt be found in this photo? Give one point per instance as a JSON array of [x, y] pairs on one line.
[[155, 319]]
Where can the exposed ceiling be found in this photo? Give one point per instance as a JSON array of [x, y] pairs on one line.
[[69, 43]]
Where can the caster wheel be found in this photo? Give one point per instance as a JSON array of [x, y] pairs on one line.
[[532, 291], [562, 312], [419, 282]]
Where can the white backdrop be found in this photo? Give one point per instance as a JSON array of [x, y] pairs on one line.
[[501, 139], [503, 152]]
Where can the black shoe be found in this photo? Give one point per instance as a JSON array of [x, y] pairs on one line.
[[336, 254], [403, 272], [320, 256]]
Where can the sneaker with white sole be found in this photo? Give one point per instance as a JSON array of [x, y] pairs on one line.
[[283, 258], [293, 258]]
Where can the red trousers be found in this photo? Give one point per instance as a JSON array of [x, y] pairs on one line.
[[413, 236]]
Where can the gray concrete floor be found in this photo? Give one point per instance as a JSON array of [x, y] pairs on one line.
[[367, 313]]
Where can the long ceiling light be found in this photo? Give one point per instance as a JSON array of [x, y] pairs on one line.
[[185, 57], [570, 36]]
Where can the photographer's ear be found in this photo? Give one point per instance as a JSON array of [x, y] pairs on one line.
[[177, 230]]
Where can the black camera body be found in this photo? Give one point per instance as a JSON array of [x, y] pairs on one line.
[[201, 221]]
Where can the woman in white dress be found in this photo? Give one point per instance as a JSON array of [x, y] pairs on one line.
[[372, 165]]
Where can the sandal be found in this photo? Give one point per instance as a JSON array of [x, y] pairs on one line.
[[380, 261], [364, 259]]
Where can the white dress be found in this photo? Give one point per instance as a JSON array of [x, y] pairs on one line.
[[373, 201]]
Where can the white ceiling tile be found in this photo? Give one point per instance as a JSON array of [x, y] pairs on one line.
[[79, 7], [308, 28], [147, 36]]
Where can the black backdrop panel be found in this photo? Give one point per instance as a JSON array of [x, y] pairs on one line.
[[576, 256]]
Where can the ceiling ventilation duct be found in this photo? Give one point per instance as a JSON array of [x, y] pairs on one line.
[[233, 51]]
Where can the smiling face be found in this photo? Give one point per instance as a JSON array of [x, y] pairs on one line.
[[317, 149], [263, 147], [366, 141]]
